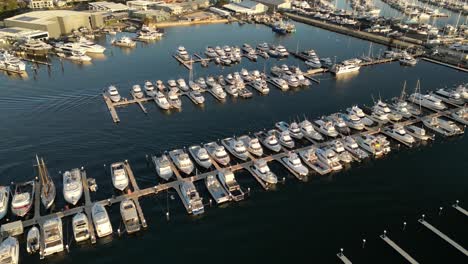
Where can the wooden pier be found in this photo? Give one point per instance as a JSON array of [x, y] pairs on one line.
[[88, 206], [444, 237], [343, 258], [111, 108], [461, 210], [445, 64], [187, 64], [398, 249]]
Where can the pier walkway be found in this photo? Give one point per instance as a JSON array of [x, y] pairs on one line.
[[444, 237], [398, 249]]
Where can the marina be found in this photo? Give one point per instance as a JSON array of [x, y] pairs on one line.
[[73, 98]]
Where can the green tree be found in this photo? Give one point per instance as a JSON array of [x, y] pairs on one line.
[[7, 5]]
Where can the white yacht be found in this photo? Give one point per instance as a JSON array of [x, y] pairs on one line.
[[232, 90], [162, 101], [344, 68], [12, 63], [69, 48], [338, 147], [9, 251], [119, 176], [380, 116], [300, 76], [52, 233], [352, 121], [261, 86], [270, 141], [191, 197], [4, 199], [201, 156], [210, 52], [101, 220], [172, 84], [218, 92], [384, 143], [23, 198], [161, 87], [356, 111], [197, 97], [310, 159], [173, 98], [291, 80], [370, 144], [253, 145], [182, 160], [428, 101], [218, 153], [460, 115], [326, 128], [33, 240], [398, 132], [309, 132], [80, 226], [149, 89], [383, 108], [314, 63], [229, 183], [182, 85], [90, 46], [72, 186], [294, 163], [444, 127], [293, 128], [137, 91], [463, 91], [236, 147], [216, 190], [130, 216], [328, 156], [35, 47], [125, 42], [452, 97], [261, 170], [282, 51], [418, 132], [163, 166], [225, 60], [284, 138], [404, 109], [194, 86], [353, 148], [79, 57], [182, 53], [202, 83], [113, 94], [280, 83], [339, 123]]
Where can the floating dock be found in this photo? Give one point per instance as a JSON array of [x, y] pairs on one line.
[[444, 237], [343, 258], [398, 249], [461, 210]]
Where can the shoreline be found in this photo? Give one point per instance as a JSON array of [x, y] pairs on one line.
[[189, 23]]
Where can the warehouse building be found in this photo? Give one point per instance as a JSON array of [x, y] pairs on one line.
[[246, 7], [107, 7], [57, 22], [275, 5]]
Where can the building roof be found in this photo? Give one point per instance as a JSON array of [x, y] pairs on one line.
[[113, 7], [272, 2], [18, 32], [248, 4], [141, 3], [244, 8], [44, 17]]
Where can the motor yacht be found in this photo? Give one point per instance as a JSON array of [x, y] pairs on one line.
[[162, 101], [300, 76], [326, 128], [137, 91], [197, 97], [229, 183], [418, 132], [101, 220], [210, 52], [338, 69], [182, 85], [329, 157], [253, 145], [442, 126], [218, 92], [380, 116], [161, 87], [280, 83], [309, 132], [370, 144], [352, 121], [404, 109], [52, 233], [384, 142], [398, 132], [356, 111], [183, 54], [9, 251], [202, 83], [451, 97], [261, 86], [461, 116], [163, 166], [339, 124], [201, 156], [80, 226], [191, 197], [194, 86], [149, 89], [232, 90], [284, 138], [291, 80], [294, 163], [428, 101], [129, 215], [113, 94], [343, 155], [218, 153], [79, 57], [171, 84], [125, 42], [463, 91], [216, 190], [310, 159], [35, 47], [236, 147], [119, 176], [23, 198], [33, 240], [72, 186], [261, 170], [225, 60], [182, 161], [4, 200], [11, 63], [173, 98], [269, 140], [90, 46], [293, 128], [351, 145]]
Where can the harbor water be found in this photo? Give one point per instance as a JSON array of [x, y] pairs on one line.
[[59, 114]]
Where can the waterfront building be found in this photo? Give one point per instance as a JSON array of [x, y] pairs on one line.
[[246, 7], [15, 33], [107, 7], [40, 4], [154, 15], [274, 5], [141, 5]]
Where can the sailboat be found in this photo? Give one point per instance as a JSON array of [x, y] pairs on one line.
[[48, 191]]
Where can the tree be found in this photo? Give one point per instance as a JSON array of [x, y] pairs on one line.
[[8, 5]]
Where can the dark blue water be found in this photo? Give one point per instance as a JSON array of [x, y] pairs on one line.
[[59, 114]]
